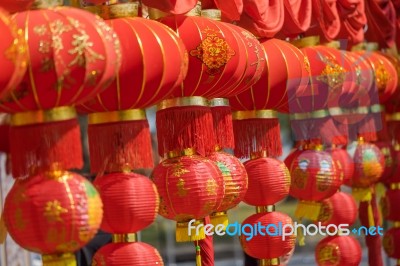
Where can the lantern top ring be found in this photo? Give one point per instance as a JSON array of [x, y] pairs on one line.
[[120, 10], [183, 101], [377, 108], [219, 102], [56, 114], [117, 116], [270, 262], [214, 14], [306, 42], [393, 117], [124, 238], [310, 115], [254, 114]]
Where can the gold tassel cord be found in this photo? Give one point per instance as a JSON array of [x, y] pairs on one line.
[[198, 254]]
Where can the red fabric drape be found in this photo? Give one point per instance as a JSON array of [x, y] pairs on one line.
[[325, 20], [264, 18], [374, 243], [231, 9], [353, 18], [171, 6], [381, 16], [396, 4], [206, 247], [297, 17]]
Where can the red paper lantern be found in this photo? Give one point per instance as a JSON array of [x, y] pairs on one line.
[[234, 183], [389, 205], [138, 254], [13, 61], [189, 189], [338, 209], [266, 174], [130, 202], [344, 163], [391, 243], [338, 250], [388, 153], [268, 246], [13, 6], [53, 213], [368, 165]]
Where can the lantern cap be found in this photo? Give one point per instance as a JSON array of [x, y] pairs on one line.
[[124, 238], [43, 4], [306, 42], [182, 101], [120, 10], [332, 44], [214, 14], [256, 114], [117, 116], [216, 102], [56, 114]]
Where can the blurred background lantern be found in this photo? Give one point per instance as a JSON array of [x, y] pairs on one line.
[[344, 163], [314, 177], [234, 183], [269, 247], [136, 253], [72, 55], [390, 202], [338, 250], [53, 213], [189, 188], [154, 63], [391, 243], [338, 209]]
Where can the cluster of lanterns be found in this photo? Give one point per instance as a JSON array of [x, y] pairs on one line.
[[217, 87]]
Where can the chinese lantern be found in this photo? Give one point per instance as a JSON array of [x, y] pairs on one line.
[[54, 214], [234, 183], [344, 163], [266, 174], [314, 177], [130, 202], [338, 250], [389, 203], [271, 246], [391, 243], [389, 157], [73, 55], [189, 189], [136, 253], [338, 209], [119, 135]]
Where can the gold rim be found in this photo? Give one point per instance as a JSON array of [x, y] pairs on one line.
[[121, 10], [310, 115], [117, 116], [256, 114], [306, 42], [124, 238], [269, 262], [268, 208], [56, 114], [393, 117], [182, 101], [214, 14], [218, 102]]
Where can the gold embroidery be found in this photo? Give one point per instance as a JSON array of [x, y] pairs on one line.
[[82, 51], [53, 211], [333, 74], [180, 185], [178, 170], [40, 30], [382, 77], [307, 64], [329, 255], [44, 47], [211, 187], [47, 65]]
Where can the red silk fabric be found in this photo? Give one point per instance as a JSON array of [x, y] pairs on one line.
[[325, 20], [231, 9], [175, 7], [353, 18], [297, 15]]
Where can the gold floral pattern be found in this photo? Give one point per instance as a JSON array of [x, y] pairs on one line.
[[333, 74], [211, 187], [53, 211], [180, 185], [328, 254], [382, 77], [213, 51]]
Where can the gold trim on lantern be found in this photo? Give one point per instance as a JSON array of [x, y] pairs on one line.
[[395, 186], [155, 13], [75, 3], [310, 115], [184, 152], [124, 238], [182, 101], [56, 114], [358, 47], [263, 209], [334, 111], [117, 116], [393, 117], [120, 10], [66, 259], [377, 108], [218, 102], [255, 114], [306, 42], [332, 44], [214, 14], [182, 234], [196, 11], [269, 262], [396, 224], [259, 154], [43, 4], [371, 46]]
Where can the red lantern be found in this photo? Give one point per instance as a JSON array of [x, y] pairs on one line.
[[394, 178], [344, 163], [73, 55], [13, 6], [118, 133], [389, 204], [391, 243], [234, 183], [130, 202], [338, 209], [314, 177], [389, 156], [266, 174], [53, 213], [13, 61], [189, 189], [338, 250], [268, 246], [116, 254]]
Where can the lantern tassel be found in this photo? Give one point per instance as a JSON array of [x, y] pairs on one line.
[[66, 259], [3, 230], [218, 218], [223, 127], [198, 255], [308, 209], [362, 194], [300, 236], [182, 233]]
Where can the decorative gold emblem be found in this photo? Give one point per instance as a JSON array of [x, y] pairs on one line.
[[180, 185], [178, 170], [333, 74], [328, 255], [211, 187], [325, 212], [300, 174], [382, 77], [213, 51], [53, 211]]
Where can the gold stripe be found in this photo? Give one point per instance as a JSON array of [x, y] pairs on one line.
[[182, 101], [43, 116], [219, 102], [393, 117], [124, 238], [263, 209], [66, 259], [377, 108], [117, 116], [269, 262], [156, 14], [306, 42], [346, 111], [214, 14], [258, 114], [394, 186], [310, 115], [185, 152], [396, 224], [332, 44]]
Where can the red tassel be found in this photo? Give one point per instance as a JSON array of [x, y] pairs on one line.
[[223, 127], [40, 147], [120, 145], [185, 127], [256, 136]]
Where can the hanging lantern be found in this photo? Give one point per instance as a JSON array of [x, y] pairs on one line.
[[54, 214], [391, 244], [389, 203], [338, 250], [136, 253], [127, 212], [266, 174], [314, 177], [269, 247], [119, 135], [189, 189], [338, 209], [344, 163], [73, 55], [234, 184]]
